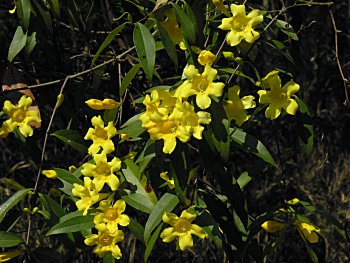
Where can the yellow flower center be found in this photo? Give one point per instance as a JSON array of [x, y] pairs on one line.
[[19, 115], [182, 225], [105, 239], [239, 23], [200, 84], [103, 169], [169, 127], [99, 136], [111, 214]]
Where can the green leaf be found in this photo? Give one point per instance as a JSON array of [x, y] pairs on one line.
[[186, 24], [139, 202], [304, 127], [75, 224], [17, 44], [243, 180], [12, 201], [31, 43], [165, 204], [55, 6], [23, 11], [168, 45], [133, 127], [108, 258], [128, 78], [110, 115], [72, 138], [45, 254], [68, 179], [251, 144], [9, 240], [145, 48], [107, 41], [53, 207], [137, 229], [151, 242], [286, 28]]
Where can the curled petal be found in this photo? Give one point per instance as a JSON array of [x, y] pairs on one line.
[[168, 235], [272, 112], [198, 231], [170, 218], [291, 87], [291, 107], [185, 241]]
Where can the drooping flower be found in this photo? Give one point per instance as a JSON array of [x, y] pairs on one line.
[[101, 136], [206, 57], [88, 195], [112, 216], [170, 182], [241, 26], [49, 173], [308, 231], [277, 97], [105, 241], [271, 226], [236, 107], [201, 85], [172, 27], [182, 228], [106, 104], [103, 171], [20, 116]]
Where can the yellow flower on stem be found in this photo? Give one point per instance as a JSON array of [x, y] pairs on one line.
[[103, 171], [49, 173], [101, 136], [6, 256], [241, 25], [88, 195], [277, 97], [294, 201], [19, 116], [201, 85], [112, 216], [106, 104], [206, 57], [308, 231], [170, 182], [271, 226], [235, 106], [182, 228], [105, 241]]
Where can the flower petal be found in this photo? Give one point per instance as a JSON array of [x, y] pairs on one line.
[[291, 87], [168, 235], [272, 112], [291, 107], [198, 231], [203, 101], [185, 242], [238, 10], [170, 218], [233, 38]]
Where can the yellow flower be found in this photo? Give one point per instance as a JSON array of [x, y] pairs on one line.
[[106, 104], [105, 241], [206, 57], [101, 136], [12, 11], [49, 173], [235, 106], [112, 216], [171, 26], [241, 26], [20, 116], [59, 100], [220, 5], [103, 171], [6, 256], [88, 195], [201, 85], [182, 228], [272, 226], [4, 131], [294, 201], [307, 231], [278, 97], [124, 136], [170, 182]]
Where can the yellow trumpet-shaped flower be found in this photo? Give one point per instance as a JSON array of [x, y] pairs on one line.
[[19, 116], [308, 231], [112, 216], [101, 136], [170, 182], [88, 195], [182, 228], [201, 85], [272, 226], [103, 171], [277, 97], [236, 107], [241, 25], [49, 173], [106, 104], [206, 57], [105, 241]]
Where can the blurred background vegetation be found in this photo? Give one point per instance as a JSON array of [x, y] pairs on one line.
[[67, 39]]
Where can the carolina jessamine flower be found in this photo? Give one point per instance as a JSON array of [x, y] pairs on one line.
[[206, 57], [308, 231], [201, 85], [112, 216], [278, 97], [182, 228], [103, 171], [49, 173], [294, 201], [88, 195], [170, 182], [172, 28], [105, 241], [106, 104], [19, 116], [101, 136], [235, 106], [272, 226], [6, 256], [241, 26]]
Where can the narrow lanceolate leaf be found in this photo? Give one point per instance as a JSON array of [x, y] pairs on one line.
[[165, 204], [75, 224], [72, 138], [168, 45], [17, 44], [128, 78], [9, 240], [186, 24], [151, 242], [304, 127], [107, 41], [145, 48], [251, 144], [139, 202], [23, 11], [12, 201], [31, 43]]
